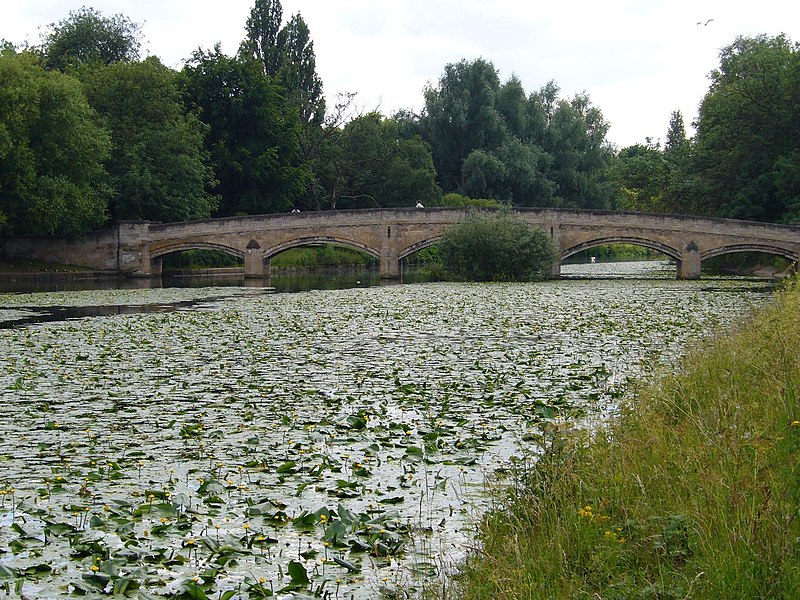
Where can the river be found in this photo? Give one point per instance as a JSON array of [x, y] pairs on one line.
[[338, 443]]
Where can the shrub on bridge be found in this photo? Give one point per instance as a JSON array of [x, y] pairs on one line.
[[495, 247]]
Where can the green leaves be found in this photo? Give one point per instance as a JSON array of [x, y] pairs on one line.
[[495, 247], [53, 148]]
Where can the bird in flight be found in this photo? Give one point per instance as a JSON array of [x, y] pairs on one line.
[[704, 24]]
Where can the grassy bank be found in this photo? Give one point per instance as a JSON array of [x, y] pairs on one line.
[[693, 492], [22, 265]]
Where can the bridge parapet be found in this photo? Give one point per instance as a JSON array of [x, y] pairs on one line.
[[135, 248]]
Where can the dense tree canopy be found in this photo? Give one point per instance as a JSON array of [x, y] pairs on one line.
[[86, 36], [252, 138], [747, 149], [369, 165], [744, 161], [158, 167], [491, 140], [287, 56], [52, 148]]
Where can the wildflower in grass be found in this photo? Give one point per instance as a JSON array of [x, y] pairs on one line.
[[795, 423]]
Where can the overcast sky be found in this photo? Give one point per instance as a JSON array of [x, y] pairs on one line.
[[637, 59]]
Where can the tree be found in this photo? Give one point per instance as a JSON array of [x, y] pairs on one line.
[[159, 167], [676, 134], [483, 175], [490, 140], [746, 155], [52, 148], [462, 116], [261, 40], [512, 105], [575, 139], [253, 133], [641, 173], [287, 56], [86, 36], [495, 247], [298, 73], [368, 164]]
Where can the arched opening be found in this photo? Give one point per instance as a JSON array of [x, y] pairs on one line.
[[200, 259], [421, 263], [197, 259], [322, 263], [619, 257], [752, 259]]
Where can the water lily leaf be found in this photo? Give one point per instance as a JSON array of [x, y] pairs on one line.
[[7, 572], [297, 572], [393, 500], [334, 533], [347, 565], [414, 452]]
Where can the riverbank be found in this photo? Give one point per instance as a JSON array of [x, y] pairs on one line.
[[691, 493]]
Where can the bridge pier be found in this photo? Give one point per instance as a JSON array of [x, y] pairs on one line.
[[689, 266], [555, 268], [254, 265], [390, 265], [155, 267]]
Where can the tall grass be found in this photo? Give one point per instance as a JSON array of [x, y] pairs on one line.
[[693, 492]]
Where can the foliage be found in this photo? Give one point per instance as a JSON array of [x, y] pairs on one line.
[[158, 164], [491, 140], [747, 156], [298, 72], [52, 148], [261, 41], [691, 493], [642, 174], [287, 56], [744, 161], [86, 36], [200, 259], [253, 133], [461, 116], [321, 256], [495, 247], [676, 134], [369, 165], [454, 200]]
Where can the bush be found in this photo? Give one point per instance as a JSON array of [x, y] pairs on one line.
[[495, 247], [454, 200]]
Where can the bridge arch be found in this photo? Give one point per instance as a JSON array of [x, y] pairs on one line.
[[316, 241], [416, 247], [635, 241], [766, 249], [183, 246]]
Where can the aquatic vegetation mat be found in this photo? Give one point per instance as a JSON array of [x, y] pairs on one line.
[[326, 444]]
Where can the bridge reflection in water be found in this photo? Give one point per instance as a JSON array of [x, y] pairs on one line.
[[135, 248]]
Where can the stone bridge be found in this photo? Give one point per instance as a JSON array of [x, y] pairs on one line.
[[135, 248]]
